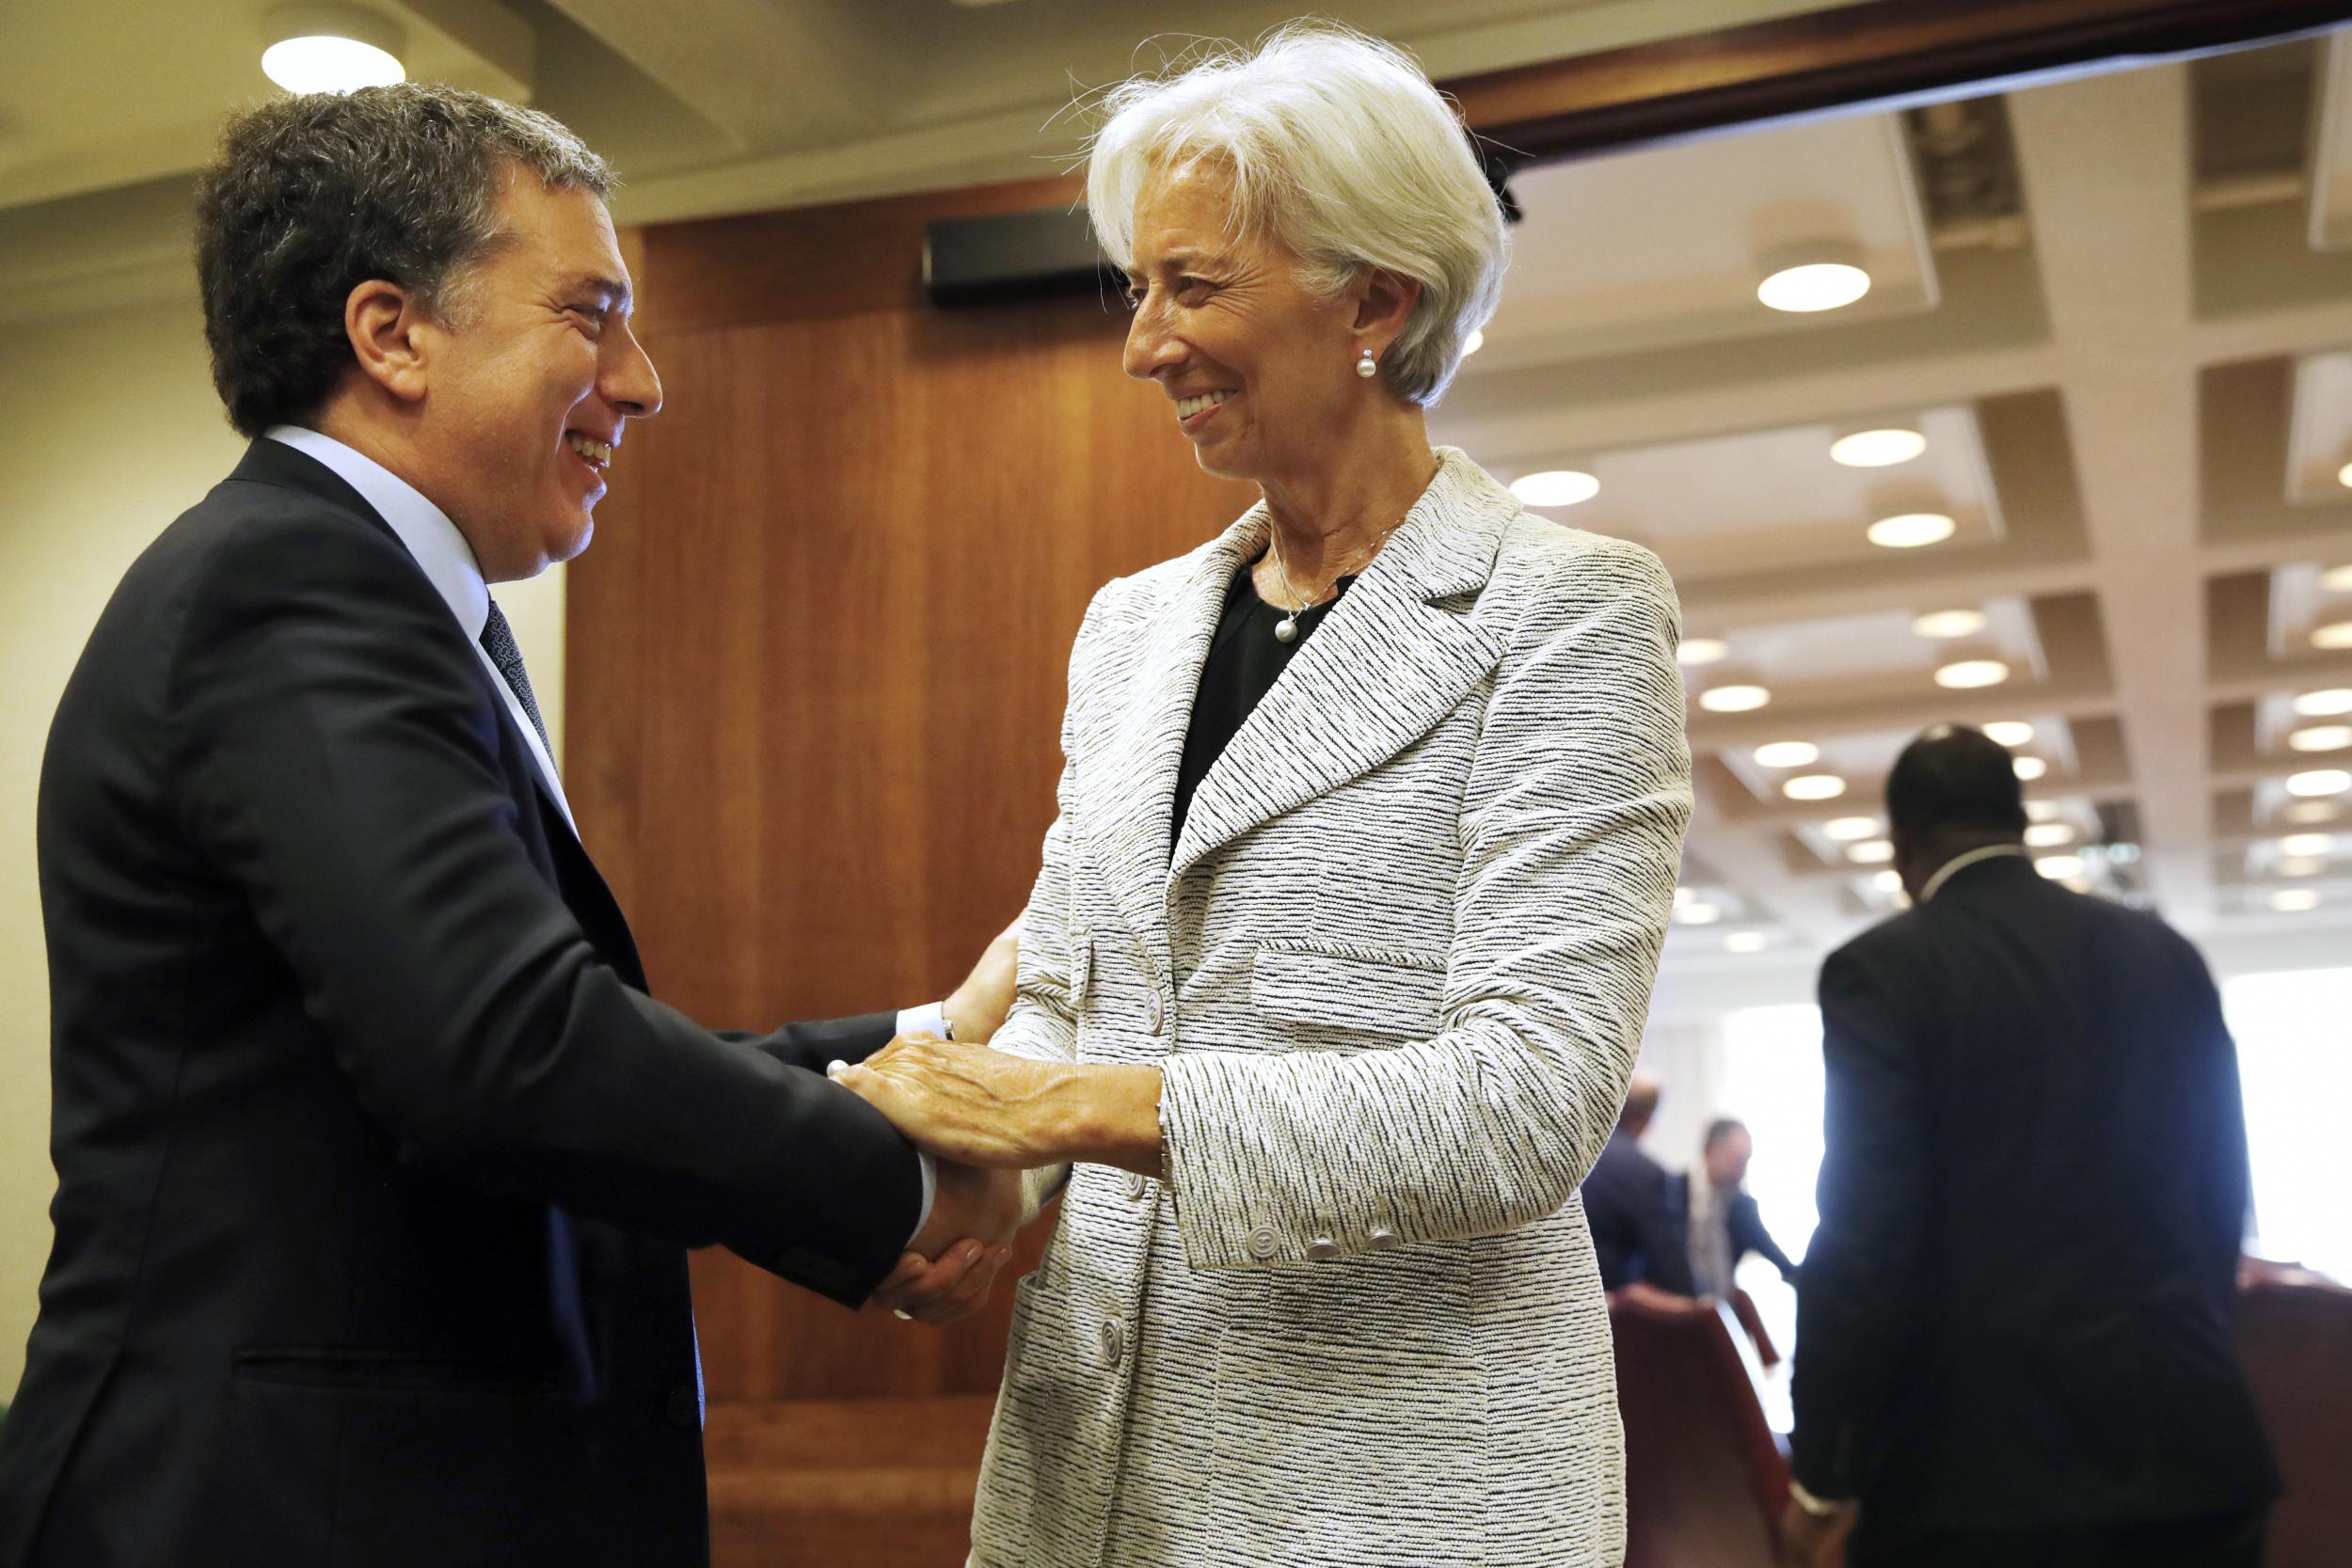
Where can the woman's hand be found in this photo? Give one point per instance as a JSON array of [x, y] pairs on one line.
[[983, 1107], [961, 1101]]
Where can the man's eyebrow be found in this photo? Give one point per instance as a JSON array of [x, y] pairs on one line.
[[611, 288]]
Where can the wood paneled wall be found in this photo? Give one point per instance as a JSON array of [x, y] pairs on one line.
[[818, 657]]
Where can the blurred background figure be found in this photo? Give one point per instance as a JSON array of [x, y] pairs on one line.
[[1720, 1216], [1629, 1205], [2013, 1323]]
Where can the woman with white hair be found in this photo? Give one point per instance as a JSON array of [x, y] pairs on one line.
[[1336, 969]]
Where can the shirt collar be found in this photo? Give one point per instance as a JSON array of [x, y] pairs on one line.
[[1961, 862], [439, 549]]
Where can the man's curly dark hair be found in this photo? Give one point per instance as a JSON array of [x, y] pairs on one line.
[[314, 195]]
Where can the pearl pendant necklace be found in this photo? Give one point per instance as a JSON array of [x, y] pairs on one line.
[[1286, 630]]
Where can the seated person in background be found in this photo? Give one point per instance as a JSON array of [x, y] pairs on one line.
[[1629, 1207], [1722, 1218]]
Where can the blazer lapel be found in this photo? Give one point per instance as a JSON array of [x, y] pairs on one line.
[[1389, 661], [1130, 731]]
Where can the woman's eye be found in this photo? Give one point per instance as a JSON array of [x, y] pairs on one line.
[[1193, 290]]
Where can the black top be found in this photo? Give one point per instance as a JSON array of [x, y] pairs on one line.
[[1244, 659], [2016, 1314]]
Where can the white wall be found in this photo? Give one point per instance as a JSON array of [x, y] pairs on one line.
[[111, 429]]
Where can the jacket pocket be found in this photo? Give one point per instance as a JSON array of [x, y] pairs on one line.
[[1385, 990], [1355, 1451]]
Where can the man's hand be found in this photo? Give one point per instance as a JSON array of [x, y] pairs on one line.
[[1810, 1540], [976, 1009], [955, 1259]]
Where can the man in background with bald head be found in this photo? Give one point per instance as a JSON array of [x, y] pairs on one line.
[[1629, 1206]]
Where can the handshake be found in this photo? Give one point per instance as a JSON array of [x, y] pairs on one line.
[[941, 1095]]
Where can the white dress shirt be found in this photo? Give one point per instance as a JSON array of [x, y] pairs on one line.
[[442, 553]]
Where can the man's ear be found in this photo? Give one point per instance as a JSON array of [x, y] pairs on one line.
[[390, 335], [1384, 302]]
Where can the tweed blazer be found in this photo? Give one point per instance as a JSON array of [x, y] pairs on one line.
[[1395, 970]]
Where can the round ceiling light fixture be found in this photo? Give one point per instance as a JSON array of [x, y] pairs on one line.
[[1888, 882], [2060, 867], [1788, 753], [1804, 279], [1880, 447], [1870, 851], [2329, 703], [2307, 811], [2318, 781], [1553, 488], [1739, 697], [2031, 768], [1701, 650], [1814, 786], [1844, 830], [1943, 624], [2009, 731], [2334, 635], [2322, 737], [1969, 675], [1911, 531], [2048, 835], [1745, 941], [2299, 865], [2337, 580], [2294, 900], [331, 48], [2307, 845], [1698, 914], [2343, 475]]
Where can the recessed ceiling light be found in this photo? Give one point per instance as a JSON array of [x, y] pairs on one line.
[[2299, 865], [1812, 286], [1734, 699], [1745, 941], [2335, 700], [2009, 731], [1557, 487], [2337, 580], [2306, 844], [1844, 829], [1879, 448], [1698, 914], [1888, 882], [2040, 811], [2310, 811], [2322, 737], [1950, 623], [2031, 768], [2319, 781], [1700, 650], [331, 48], [2294, 900], [1909, 530], [2335, 634], [2343, 475], [1814, 786], [1682, 897], [1870, 851], [2048, 835], [1476, 340], [1788, 753], [2058, 867], [1967, 675]]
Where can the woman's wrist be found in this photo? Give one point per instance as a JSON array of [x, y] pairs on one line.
[[1105, 1115]]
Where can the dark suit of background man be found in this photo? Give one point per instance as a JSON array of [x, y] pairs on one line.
[[377, 1165], [1721, 1216], [1628, 1206], [2014, 1323]]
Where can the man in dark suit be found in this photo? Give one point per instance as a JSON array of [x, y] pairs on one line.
[[1628, 1205], [376, 1163], [1721, 1217], [2014, 1323]]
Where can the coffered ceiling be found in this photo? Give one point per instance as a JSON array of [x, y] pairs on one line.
[[2119, 310]]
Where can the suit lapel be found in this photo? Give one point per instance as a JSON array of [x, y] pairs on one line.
[[1390, 659], [1131, 734]]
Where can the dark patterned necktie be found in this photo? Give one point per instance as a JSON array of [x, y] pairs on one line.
[[498, 641]]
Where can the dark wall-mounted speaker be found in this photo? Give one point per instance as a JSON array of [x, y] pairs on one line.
[[1012, 256]]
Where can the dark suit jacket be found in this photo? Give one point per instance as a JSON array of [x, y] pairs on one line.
[[2015, 1312], [375, 1164], [1628, 1209]]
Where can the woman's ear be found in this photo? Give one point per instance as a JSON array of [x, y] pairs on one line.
[[1384, 302], [384, 322]]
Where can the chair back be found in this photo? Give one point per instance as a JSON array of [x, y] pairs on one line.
[[2295, 1340], [1705, 1480]]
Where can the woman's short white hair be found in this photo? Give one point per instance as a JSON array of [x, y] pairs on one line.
[[1340, 150]]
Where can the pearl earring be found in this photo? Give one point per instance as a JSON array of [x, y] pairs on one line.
[[1367, 367]]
